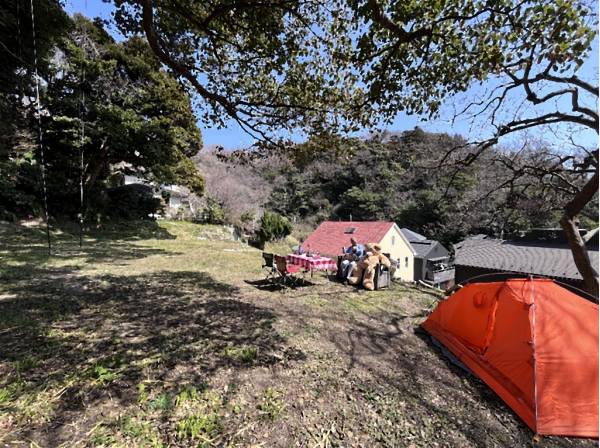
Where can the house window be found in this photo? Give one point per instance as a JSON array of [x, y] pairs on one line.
[[393, 240], [406, 261], [350, 230]]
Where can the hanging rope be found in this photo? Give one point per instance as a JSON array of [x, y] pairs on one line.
[[39, 122], [20, 54], [81, 156]]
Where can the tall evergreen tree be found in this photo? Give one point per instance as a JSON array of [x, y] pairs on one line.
[[111, 104], [19, 169]]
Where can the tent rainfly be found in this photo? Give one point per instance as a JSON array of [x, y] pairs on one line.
[[534, 343]]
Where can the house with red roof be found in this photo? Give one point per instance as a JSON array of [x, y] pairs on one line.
[[332, 236]]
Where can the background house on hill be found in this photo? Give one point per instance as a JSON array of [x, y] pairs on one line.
[[177, 199], [543, 252], [432, 260], [331, 236]]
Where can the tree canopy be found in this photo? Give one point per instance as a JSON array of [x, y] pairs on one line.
[[133, 112], [17, 133], [107, 106], [426, 51], [270, 66], [389, 177]]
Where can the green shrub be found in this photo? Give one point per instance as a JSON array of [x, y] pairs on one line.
[[273, 227], [102, 374], [133, 427], [212, 213], [271, 404], [102, 436], [11, 392], [143, 432], [188, 395], [247, 216], [162, 402], [25, 364], [143, 393], [4, 395]]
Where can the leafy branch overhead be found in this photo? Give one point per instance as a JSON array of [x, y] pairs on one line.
[[429, 50], [340, 65], [270, 66], [526, 53]]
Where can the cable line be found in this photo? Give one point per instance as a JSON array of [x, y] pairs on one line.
[[39, 122]]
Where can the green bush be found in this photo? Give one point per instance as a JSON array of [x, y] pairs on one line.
[[243, 354], [247, 216], [273, 227], [271, 405], [212, 213]]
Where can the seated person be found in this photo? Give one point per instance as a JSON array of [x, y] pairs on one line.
[[352, 255], [299, 250]]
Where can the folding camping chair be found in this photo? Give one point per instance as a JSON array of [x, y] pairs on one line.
[[269, 266], [286, 270]]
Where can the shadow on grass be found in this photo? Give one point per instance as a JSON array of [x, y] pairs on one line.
[[69, 231], [96, 338], [129, 231], [26, 247], [271, 285]]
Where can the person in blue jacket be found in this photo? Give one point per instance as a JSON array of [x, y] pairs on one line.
[[352, 254]]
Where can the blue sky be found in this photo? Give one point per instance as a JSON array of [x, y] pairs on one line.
[[233, 137]]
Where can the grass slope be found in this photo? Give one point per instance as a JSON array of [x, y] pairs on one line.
[[150, 335]]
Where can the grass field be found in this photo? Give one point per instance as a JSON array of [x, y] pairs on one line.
[[159, 335]]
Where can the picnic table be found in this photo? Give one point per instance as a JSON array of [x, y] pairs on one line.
[[314, 263]]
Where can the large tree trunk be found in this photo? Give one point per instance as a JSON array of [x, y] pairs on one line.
[[576, 242], [101, 162]]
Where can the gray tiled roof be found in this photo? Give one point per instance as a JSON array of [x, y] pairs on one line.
[[422, 248], [412, 236], [419, 243], [530, 258]]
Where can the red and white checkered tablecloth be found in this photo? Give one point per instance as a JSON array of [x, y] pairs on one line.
[[313, 263]]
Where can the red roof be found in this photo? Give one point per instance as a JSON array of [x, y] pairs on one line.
[[331, 236]]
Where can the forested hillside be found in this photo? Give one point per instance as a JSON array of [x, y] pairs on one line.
[[398, 177]]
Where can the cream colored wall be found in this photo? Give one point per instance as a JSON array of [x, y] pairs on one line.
[[399, 249]]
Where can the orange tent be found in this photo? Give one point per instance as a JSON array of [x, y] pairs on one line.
[[534, 343]]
